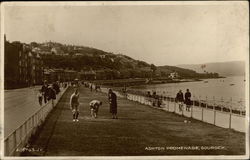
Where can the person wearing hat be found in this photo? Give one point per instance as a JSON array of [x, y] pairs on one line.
[[45, 91], [180, 100], [74, 105], [188, 100], [113, 103]]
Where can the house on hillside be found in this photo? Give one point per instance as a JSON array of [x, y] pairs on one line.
[[102, 56], [174, 75], [57, 51], [78, 54]]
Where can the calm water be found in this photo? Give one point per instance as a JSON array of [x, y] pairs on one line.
[[217, 88]]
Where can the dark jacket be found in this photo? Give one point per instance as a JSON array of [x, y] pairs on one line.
[[179, 97], [45, 90], [51, 94], [188, 98], [56, 88], [113, 102]]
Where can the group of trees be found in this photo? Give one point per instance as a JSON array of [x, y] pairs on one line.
[[77, 62], [113, 67], [117, 67]]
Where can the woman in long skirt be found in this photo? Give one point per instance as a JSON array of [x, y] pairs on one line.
[[113, 103]]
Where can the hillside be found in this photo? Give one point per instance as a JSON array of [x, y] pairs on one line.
[[81, 58], [186, 73], [233, 68]]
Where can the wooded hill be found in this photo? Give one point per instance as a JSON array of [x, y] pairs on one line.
[[85, 58]]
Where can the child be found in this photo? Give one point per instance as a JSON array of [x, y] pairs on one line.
[[94, 107]]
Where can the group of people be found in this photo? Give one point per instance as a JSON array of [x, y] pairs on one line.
[[180, 99], [48, 92], [157, 99], [92, 86], [94, 105]]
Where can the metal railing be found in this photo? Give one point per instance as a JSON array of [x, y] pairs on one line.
[[220, 113], [212, 114], [19, 137]]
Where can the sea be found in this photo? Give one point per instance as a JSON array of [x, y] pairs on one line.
[[229, 89]]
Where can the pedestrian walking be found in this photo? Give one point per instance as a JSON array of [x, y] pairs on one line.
[[56, 87], [51, 93], [45, 91], [180, 100], [113, 103], [94, 107], [40, 97], [74, 105], [188, 100]]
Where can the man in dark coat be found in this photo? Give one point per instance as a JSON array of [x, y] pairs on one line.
[[113, 103], [51, 93], [180, 100], [45, 91], [188, 100], [56, 87]]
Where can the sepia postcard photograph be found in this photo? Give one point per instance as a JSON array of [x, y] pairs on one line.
[[124, 80]]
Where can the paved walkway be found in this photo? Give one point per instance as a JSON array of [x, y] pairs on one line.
[[140, 130]]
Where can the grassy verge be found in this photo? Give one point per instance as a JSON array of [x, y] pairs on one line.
[[139, 131]]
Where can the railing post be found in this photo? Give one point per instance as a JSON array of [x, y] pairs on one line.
[[21, 134], [230, 115], [28, 126], [223, 103], [168, 104], [174, 106], [206, 102], [214, 110], [25, 128], [32, 121], [201, 108], [36, 119], [14, 136], [191, 107]]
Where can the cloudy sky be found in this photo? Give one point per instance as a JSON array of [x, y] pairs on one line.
[[163, 34]]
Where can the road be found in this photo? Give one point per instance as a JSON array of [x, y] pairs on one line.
[[19, 104]]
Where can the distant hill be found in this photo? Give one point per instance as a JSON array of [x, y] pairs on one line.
[[82, 58], [185, 73], [233, 68]]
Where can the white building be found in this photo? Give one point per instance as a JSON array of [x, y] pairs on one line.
[[174, 75]]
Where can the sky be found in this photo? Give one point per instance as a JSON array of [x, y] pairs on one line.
[[162, 34]]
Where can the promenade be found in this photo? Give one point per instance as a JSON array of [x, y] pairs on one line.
[[139, 130]]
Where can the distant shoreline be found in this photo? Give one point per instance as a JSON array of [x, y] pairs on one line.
[[142, 81]]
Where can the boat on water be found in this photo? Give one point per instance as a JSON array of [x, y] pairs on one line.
[[231, 84]]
